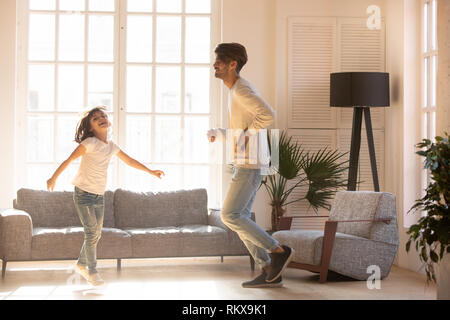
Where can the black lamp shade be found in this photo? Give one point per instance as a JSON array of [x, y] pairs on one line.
[[359, 89]]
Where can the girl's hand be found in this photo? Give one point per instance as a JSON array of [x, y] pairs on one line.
[[50, 184], [158, 173]]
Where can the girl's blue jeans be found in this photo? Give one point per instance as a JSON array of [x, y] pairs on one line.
[[90, 208]]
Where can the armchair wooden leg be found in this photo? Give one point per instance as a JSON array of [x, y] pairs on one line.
[[252, 263], [221, 259], [323, 275], [3, 268], [119, 265], [327, 248]]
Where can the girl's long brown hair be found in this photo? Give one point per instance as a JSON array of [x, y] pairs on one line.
[[84, 125]]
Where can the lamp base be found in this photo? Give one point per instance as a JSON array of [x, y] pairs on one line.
[[355, 148]]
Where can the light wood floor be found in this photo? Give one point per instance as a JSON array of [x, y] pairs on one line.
[[196, 279]]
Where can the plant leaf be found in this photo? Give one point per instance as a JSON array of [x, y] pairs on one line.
[[408, 244], [434, 257]]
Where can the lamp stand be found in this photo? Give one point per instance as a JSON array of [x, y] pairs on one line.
[[355, 147]]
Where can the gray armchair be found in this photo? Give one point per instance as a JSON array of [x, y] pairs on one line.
[[361, 231]]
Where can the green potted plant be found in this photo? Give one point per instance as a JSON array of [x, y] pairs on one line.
[[431, 234], [321, 172]]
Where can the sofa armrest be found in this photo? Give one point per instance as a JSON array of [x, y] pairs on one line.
[[16, 230], [214, 218], [236, 246]]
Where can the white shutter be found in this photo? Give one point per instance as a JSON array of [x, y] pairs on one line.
[[318, 46], [360, 49], [311, 59], [309, 223]]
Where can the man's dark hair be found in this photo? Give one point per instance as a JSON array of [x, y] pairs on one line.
[[228, 52]]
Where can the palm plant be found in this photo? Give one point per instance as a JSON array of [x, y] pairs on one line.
[[321, 172]]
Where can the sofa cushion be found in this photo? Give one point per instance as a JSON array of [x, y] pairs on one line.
[[48, 209], [150, 210], [56, 209], [354, 205], [303, 242], [155, 242], [308, 243], [190, 240], [66, 243], [201, 240]]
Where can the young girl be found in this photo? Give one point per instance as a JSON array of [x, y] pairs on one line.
[[90, 183]]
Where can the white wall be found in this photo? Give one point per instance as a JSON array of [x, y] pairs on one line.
[[316, 8], [252, 23], [7, 67], [403, 130], [443, 77]]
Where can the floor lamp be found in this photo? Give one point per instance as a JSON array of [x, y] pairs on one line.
[[361, 91]]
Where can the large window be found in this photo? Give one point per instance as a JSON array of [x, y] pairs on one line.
[[429, 51], [148, 62]]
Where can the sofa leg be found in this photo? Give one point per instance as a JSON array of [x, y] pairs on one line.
[[221, 259], [252, 263], [119, 265], [3, 269]]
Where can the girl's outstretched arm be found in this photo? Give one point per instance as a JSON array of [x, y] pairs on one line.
[[78, 152], [137, 165]]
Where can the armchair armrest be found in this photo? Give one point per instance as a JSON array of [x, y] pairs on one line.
[[385, 220], [285, 223], [16, 230]]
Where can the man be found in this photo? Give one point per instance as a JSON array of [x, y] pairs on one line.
[[248, 114]]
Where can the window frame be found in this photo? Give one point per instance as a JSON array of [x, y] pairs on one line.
[[119, 86], [428, 50]]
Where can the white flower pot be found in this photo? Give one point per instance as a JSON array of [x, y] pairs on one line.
[[443, 278]]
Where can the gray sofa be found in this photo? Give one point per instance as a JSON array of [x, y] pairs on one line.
[[45, 226]]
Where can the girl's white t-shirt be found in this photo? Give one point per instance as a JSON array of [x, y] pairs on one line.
[[93, 172]]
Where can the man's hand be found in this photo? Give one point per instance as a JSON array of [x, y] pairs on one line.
[[211, 135]]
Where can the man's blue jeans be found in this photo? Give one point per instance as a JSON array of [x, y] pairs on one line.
[[90, 208], [236, 214]]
